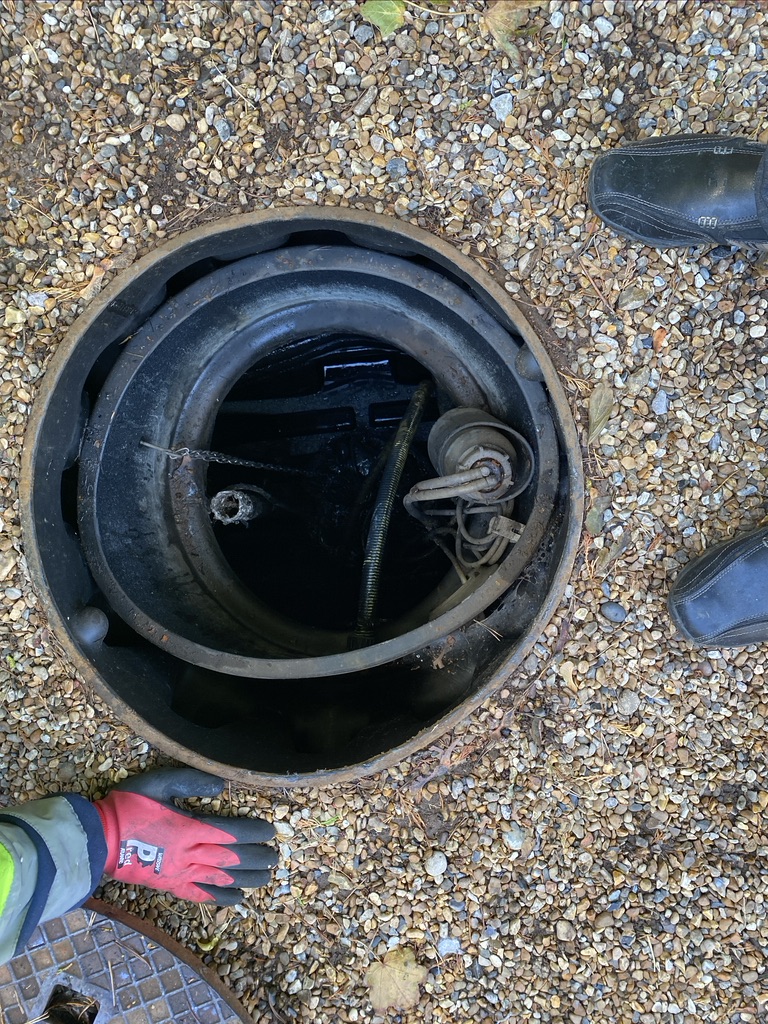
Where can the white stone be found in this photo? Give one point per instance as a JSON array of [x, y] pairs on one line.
[[503, 105], [627, 702], [436, 864], [515, 836], [604, 27]]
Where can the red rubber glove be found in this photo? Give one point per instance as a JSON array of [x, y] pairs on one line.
[[202, 858]]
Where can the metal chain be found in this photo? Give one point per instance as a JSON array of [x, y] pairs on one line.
[[204, 456]]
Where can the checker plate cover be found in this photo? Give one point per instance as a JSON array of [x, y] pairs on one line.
[[136, 976]]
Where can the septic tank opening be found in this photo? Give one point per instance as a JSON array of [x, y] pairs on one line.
[[301, 490]]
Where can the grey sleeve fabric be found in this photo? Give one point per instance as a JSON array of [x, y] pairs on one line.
[[54, 853]]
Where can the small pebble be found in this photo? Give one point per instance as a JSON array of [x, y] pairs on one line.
[[613, 611], [223, 128], [503, 105], [363, 34], [397, 168], [436, 864], [514, 836], [603, 26], [627, 702], [660, 403], [448, 947], [632, 298]]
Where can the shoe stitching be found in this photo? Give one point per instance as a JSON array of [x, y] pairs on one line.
[[655, 221], [690, 585], [692, 590], [658, 223], [611, 194], [734, 633], [656, 231], [685, 229], [661, 238], [648, 208], [680, 151], [708, 146]]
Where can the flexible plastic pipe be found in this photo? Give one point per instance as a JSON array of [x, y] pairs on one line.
[[382, 514]]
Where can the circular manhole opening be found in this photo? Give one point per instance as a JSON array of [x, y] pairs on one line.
[[301, 490]]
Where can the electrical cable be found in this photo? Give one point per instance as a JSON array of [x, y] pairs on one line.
[[382, 514]]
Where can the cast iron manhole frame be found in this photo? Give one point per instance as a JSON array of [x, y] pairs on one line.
[[120, 310]]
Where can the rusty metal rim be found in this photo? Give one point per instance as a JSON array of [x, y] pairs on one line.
[[528, 326]]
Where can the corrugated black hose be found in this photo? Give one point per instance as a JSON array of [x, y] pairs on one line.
[[382, 514]]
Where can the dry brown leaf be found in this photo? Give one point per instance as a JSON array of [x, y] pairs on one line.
[[594, 520], [600, 410], [94, 285], [395, 980], [608, 555], [504, 20]]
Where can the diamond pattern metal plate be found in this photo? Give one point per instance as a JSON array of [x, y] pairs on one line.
[[135, 977]]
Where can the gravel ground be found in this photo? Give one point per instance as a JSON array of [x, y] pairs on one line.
[[602, 840]]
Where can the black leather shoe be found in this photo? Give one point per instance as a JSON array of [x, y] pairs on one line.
[[684, 190], [721, 598]]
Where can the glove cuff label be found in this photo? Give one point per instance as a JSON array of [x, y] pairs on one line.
[[137, 852]]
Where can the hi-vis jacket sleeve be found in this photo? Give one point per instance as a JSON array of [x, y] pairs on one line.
[[52, 855]]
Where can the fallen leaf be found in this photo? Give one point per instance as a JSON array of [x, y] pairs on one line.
[[387, 15], [395, 980], [504, 20], [600, 409], [608, 555], [94, 286], [594, 521]]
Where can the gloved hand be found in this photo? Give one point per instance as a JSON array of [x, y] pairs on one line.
[[202, 858]]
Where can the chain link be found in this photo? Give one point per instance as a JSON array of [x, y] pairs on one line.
[[206, 456]]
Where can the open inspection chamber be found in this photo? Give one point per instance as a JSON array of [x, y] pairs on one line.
[[301, 489]]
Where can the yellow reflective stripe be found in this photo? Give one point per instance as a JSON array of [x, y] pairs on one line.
[[7, 871]]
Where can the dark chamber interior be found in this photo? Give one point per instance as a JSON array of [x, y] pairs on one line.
[[319, 416]]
